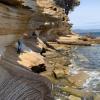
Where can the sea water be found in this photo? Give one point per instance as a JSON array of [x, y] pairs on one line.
[[87, 58], [93, 34]]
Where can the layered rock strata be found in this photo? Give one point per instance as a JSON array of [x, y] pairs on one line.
[[19, 17]]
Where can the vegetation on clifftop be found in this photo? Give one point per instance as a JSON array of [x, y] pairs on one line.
[[68, 5]]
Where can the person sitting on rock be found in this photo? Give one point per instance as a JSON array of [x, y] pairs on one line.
[[19, 47]]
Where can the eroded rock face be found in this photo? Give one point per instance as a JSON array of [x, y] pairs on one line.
[[22, 16], [26, 16], [13, 21], [18, 17]]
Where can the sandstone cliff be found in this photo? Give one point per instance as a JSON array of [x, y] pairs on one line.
[[17, 18]]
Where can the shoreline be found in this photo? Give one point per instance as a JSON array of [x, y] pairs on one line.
[[57, 60], [68, 80], [64, 79], [58, 67]]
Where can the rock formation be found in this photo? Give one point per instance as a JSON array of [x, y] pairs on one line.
[[17, 18], [27, 16]]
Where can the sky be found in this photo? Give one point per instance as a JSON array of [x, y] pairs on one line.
[[86, 15]]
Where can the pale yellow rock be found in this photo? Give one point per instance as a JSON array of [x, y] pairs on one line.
[[69, 38], [30, 59], [40, 43]]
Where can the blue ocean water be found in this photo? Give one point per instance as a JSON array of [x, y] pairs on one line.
[[94, 34], [88, 59]]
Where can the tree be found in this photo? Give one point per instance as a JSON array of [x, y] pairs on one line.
[[70, 4]]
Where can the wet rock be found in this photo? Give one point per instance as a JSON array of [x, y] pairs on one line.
[[78, 79], [77, 92], [61, 98], [71, 97]]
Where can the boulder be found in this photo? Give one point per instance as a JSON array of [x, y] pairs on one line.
[[60, 71]]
